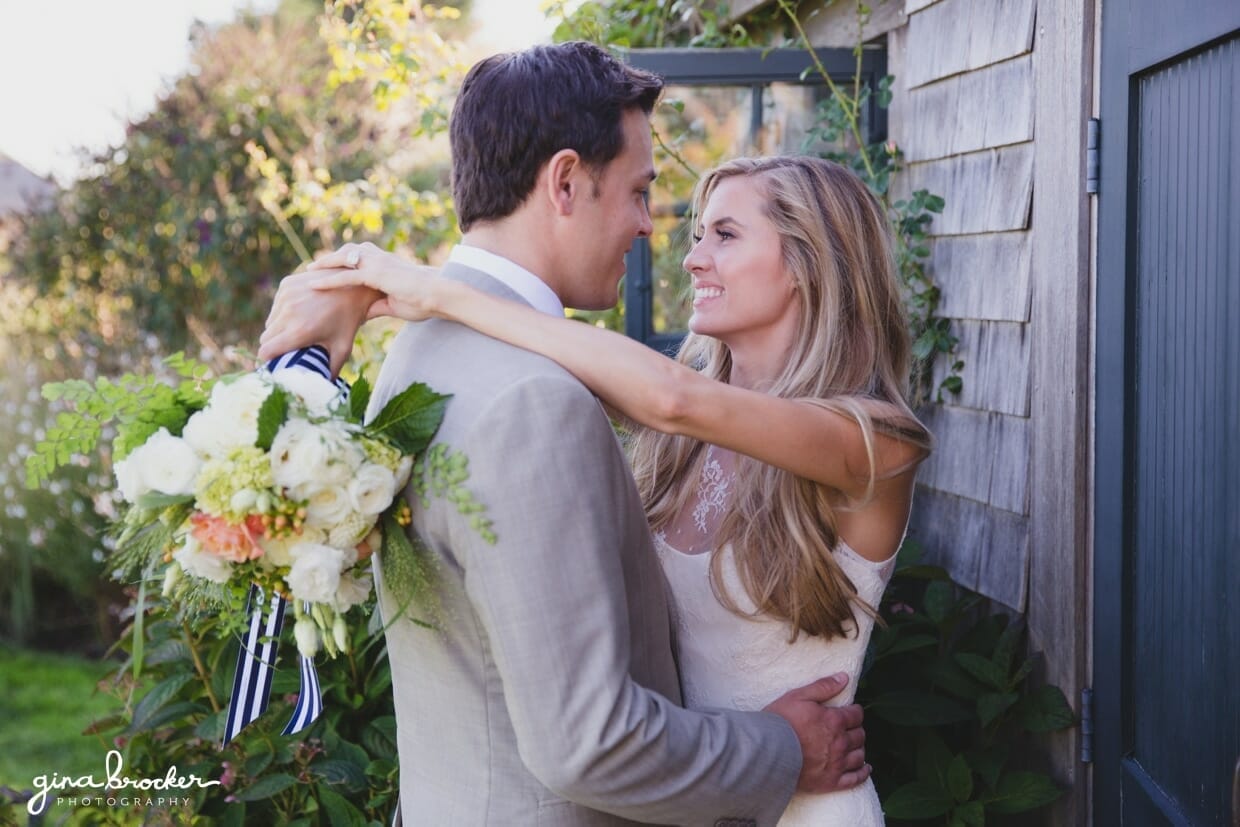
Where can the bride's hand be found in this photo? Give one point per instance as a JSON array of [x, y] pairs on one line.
[[402, 288], [302, 315]]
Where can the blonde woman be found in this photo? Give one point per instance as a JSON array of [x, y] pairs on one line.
[[775, 456]]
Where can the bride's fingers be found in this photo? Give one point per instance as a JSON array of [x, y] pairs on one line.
[[343, 277]]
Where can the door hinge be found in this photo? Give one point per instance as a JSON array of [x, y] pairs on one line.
[[1092, 146], [1087, 725]]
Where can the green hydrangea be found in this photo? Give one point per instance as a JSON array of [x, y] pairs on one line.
[[222, 481], [381, 453]]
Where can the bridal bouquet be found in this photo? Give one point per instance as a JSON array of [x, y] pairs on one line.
[[253, 480]]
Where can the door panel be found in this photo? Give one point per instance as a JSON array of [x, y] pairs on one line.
[[1167, 509]]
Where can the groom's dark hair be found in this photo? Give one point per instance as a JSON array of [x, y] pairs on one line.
[[517, 110]]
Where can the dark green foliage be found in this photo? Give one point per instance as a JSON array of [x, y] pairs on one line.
[[342, 770], [947, 698]]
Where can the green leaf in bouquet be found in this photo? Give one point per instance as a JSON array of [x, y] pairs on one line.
[[411, 418], [138, 547], [272, 414], [155, 500], [406, 569], [359, 398]]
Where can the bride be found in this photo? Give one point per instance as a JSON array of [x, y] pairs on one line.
[[775, 456]]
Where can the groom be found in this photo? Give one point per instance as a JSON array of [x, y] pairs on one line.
[[548, 694]]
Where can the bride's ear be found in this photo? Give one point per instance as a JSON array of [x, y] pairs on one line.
[[561, 184]]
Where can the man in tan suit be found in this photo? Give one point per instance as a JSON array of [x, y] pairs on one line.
[[548, 694]]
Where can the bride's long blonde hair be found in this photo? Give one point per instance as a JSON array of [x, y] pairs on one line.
[[850, 355]]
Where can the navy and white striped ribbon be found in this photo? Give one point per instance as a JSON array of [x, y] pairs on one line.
[[256, 658], [309, 699]]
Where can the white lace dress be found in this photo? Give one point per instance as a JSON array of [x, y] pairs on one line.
[[729, 661]]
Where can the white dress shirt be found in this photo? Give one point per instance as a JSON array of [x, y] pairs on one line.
[[521, 281]]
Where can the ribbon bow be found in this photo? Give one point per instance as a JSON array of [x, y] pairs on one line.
[[251, 691]]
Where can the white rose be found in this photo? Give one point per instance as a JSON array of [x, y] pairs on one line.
[[346, 454], [298, 453], [167, 463], [201, 563], [403, 471], [353, 590], [307, 635], [318, 393], [347, 534], [241, 397], [230, 419], [129, 479], [315, 573], [372, 488], [277, 551], [306, 457], [328, 507]]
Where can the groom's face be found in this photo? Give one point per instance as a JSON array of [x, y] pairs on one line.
[[612, 217]]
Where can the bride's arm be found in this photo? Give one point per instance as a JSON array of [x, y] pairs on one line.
[[658, 392]]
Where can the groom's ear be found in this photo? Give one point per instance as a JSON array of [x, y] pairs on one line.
[[562, 183]]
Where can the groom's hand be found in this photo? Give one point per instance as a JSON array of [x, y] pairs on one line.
[[832, 740]]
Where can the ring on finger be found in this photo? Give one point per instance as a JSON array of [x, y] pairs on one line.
[[353, 259]]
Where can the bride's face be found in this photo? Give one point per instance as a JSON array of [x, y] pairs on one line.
[[742, 292]]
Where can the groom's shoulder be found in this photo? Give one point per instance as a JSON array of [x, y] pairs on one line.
[[480, 372]]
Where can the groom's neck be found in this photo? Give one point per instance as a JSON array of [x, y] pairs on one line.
[[520, 244]]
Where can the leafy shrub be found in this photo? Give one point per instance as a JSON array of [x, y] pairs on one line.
[[339, 771], [948, 703]]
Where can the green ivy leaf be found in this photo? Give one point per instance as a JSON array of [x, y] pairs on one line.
[[988, 763], [339, 772], [1019, 792], [984, 670], [969, 814], [272, 415], [1045, 709], [938, 600], [917, 800], [340, 813], [379, 737], [266, 787], [959, 779], [914, 707], [903, 644], [411, 418], [991, 705], [155, 700], [933, 759]]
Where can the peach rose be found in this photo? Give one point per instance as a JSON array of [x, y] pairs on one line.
[[237, 543]]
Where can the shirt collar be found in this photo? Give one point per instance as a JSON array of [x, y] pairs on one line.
[[527, 285]]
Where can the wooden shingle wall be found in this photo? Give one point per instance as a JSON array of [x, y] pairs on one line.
[[963, 115]]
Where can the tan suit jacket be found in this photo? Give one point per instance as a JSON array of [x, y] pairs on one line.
[[548, 694]]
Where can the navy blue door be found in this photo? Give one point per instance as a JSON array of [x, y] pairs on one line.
[[1167, 543]]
